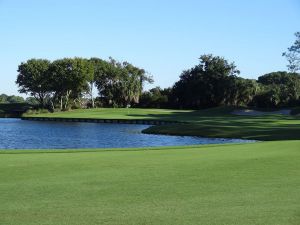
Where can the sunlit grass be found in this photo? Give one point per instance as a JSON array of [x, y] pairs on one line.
[[242, 184]]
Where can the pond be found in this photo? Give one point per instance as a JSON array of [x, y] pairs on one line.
[[19, 134]]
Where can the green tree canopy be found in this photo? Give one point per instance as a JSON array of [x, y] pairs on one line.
[[11, 99], [293, 55], [69, 78], [205, 85], [120, 83], [33, 79], [280, 89]]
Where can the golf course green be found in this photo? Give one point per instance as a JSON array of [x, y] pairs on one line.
[[243, 184]]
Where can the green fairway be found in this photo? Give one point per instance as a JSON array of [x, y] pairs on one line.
[[242, 184], [118, 113], [217, 122]]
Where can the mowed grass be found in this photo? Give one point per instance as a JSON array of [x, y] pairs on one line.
[[116, 113], [264, 128], [242, 184], [216, 122]]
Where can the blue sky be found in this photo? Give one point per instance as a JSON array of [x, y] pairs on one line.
[[162, 36]]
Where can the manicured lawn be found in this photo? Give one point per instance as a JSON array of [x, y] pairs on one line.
[[117, 113], [243, 184], [265, 128], [217, 122]]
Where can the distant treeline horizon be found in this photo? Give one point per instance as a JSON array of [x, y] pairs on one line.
[[69, 83]]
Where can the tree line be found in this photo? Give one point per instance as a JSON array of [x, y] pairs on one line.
[[70, 82], [10, 99], [199, 88], [215, 82]]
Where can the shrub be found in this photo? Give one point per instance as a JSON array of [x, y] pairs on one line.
[[36, 111]]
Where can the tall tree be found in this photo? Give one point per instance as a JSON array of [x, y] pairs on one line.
[[293, 55], [120, 83], [155, 98], [240, 91], [33, 79], [285, 86], [69, 79], [99, 70], [133, 80], [205, 85], [107, 80]]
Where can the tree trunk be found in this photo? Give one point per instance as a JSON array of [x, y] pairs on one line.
[[52, 105], [61, 102], [91, 94], [67, 99]]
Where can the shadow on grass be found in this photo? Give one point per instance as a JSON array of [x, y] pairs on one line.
[[214, 123]]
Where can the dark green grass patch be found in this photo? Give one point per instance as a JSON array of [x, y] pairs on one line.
[[268, 127]]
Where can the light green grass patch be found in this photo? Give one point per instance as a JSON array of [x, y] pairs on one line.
[[243, 184]]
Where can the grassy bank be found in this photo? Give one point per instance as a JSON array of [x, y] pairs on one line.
[[217, 122], [244, 184], [118, 113]]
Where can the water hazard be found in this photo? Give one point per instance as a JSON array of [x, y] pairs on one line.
[[19, 134]]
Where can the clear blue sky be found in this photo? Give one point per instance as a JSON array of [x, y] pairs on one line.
[[162, 36]]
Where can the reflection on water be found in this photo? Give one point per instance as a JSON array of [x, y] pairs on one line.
[[19, 134]]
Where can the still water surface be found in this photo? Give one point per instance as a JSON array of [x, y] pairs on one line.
[[19, 134]]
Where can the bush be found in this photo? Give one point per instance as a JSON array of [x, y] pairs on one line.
[[36, 111]]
